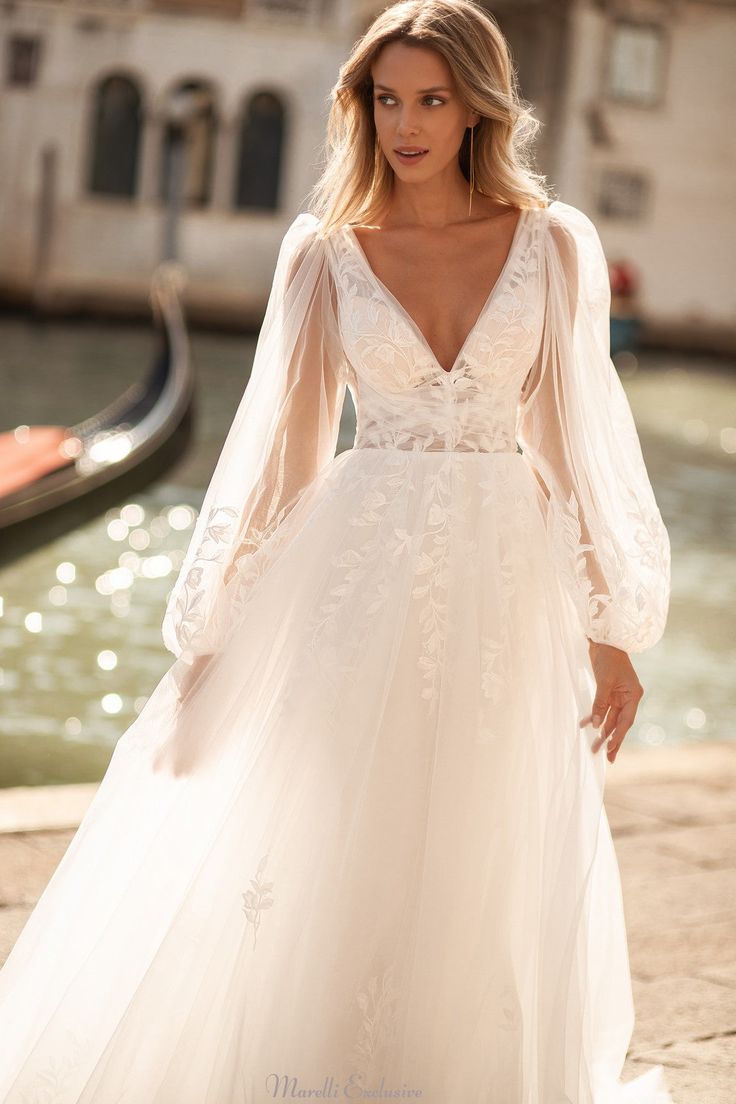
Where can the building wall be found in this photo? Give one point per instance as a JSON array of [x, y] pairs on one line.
[[680, 148], [107, 244], [677, 151]]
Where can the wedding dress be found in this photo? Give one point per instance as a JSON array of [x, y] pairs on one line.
[[363, 853]]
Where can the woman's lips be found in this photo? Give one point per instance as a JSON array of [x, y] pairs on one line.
[[410, 159]]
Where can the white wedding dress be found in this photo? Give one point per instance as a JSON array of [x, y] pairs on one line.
[[365, 854]]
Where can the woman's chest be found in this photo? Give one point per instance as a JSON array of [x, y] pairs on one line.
[[441, 286], [404, 342]]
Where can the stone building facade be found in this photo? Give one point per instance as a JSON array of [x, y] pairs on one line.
[[105, 103]]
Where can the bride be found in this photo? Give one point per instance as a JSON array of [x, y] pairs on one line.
[[354, 846]]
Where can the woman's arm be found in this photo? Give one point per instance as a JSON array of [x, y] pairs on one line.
[[283, 435], [577, 433]]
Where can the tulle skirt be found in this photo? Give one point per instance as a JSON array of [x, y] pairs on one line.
[[366, 858]]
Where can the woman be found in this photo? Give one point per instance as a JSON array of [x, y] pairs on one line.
[[354, 846]]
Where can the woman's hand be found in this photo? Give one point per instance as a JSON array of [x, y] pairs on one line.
[[618, 693], [186, 679]]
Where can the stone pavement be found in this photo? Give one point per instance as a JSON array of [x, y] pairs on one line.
[[672, 812]]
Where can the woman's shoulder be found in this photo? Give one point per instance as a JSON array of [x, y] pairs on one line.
[[574, 239], [569, 220], [306, 236], [304, 226], [302, 239]]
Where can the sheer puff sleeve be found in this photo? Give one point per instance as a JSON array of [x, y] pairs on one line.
[[576, 428], [283, 435]]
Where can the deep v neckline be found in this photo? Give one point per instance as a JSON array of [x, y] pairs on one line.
[[404, 312]]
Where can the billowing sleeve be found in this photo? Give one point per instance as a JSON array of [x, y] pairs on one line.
[[283, 435], [577, 431]]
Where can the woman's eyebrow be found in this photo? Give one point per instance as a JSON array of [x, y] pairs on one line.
[[423, 91]]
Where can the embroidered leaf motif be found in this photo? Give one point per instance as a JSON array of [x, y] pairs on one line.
[[257, 899], [377, 1001], [54, 1082]]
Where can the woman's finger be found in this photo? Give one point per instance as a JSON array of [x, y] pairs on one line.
[[601, 705], [605, 730], [625, 721]]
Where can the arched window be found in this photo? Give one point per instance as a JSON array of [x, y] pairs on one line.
[[116, 132], [188, 144], [260, 147]]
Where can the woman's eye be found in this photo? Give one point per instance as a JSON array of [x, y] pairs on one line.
[[384, 96]]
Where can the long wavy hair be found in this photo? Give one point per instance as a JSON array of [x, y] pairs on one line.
[[356, 181]]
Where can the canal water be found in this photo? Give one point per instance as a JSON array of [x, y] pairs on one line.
[[80, 616]]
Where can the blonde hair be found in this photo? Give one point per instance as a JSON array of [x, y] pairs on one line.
[[356, 181]]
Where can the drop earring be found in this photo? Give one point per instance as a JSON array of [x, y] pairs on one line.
[[472, 173]]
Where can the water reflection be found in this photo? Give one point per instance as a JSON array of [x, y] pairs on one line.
[[80, 618], [80, 635]]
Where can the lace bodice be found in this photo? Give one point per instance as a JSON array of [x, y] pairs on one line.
[[402, 395], [534, 376]]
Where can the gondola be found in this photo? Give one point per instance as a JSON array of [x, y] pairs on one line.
[[43, 467]]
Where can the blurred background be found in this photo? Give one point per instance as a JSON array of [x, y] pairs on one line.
[[152, 154]]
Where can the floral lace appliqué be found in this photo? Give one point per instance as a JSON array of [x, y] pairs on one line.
[[377, 1001], [257, 899], [54, 1083]]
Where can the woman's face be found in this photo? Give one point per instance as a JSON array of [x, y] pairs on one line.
[[415, 104]]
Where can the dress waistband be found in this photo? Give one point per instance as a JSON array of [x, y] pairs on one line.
[[505, 450]]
